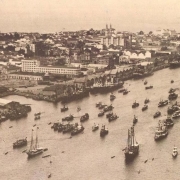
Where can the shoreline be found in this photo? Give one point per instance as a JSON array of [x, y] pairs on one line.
[[61, 98]]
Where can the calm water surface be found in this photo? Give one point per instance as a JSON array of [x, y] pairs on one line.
[[87, 156]]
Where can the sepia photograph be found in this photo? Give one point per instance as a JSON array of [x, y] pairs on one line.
[[89, 90]]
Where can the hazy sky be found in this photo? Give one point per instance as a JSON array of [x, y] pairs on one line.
[[58, 15]]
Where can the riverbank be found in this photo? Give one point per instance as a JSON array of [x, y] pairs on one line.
[[38, 94]]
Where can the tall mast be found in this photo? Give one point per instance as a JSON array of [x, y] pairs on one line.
[[36, 146], [132, 136], [31, 140], [128, 141]]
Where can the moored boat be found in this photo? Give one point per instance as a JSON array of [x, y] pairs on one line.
[[104, 131], [135, 120], [144, 107], [175, 107], [125, 92], [176, 114], [84, 117], [168, 122], [67, 128], [172, 90], [37, 117], [145, 82], [63, 109], [20, 143], [101, 106], [148, 87], [37, 114], [113, 117], [95, 127], [146, 101], [161, 132], [77, 130], [108, 108], [172, 96], [121, 90], [98, 104], [106, 88], [162, 103], [135, 104], [174, 64], [68, 118], [112, 97], [132, 148], [109, 114], [157, 114], [101, 113]]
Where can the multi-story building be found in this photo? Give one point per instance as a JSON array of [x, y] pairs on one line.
[[113, 38], [34, 66]]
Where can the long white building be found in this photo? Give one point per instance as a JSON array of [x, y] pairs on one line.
[[34, 66]]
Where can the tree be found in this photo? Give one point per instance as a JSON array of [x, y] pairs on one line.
[[21, 51], [141, 33], [150, 32]]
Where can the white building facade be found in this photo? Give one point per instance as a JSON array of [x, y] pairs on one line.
[[34, 66]]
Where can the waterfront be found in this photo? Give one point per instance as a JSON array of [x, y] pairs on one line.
[[87, 156]]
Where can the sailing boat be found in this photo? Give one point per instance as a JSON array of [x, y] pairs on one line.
[[34, 150], [132, 148]]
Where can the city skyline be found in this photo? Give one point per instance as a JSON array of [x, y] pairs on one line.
[[57, 15]]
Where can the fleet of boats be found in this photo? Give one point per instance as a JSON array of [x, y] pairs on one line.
[[132, 148]]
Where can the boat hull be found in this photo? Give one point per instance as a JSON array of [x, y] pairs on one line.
[[174, 155], [142, 75], [174, 65], [105, 89], [66, 99], [131, 156], [157, 138], [35, 153]]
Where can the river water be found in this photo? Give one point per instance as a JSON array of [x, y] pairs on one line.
[[86, 155]]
